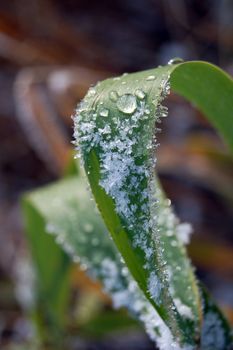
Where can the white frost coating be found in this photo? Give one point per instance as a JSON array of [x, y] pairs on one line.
[[111, 270], [213, 336], [126, 293], [154, 287], [184, 231], [25, 288], [178, 270], [116, 279], [183, 309]]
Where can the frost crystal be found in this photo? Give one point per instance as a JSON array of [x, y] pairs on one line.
[[184, 232], [213, 336], [154, 287], [183, 309], [125, 292]]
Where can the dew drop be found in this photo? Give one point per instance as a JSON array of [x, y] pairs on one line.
[[140, 94], [127, 103], [150, 77], [104, 112], [175, 60], [113, 95]]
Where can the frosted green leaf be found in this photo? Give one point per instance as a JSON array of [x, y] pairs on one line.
[[120, 169], [71, 218]]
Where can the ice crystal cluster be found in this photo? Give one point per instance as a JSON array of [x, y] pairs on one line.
[[118, 123]]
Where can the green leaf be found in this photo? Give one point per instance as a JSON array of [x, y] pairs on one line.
[[116, 133], [52, 270], [216, 333], [71, 217], [108, 322], [115, 126], [211, 90]]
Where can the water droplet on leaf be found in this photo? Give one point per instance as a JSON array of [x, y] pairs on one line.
[[175, 60], [127, 103]]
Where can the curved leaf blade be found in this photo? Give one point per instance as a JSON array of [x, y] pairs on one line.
[[70, 216], [115, 127], [211, 90], [116, 132]]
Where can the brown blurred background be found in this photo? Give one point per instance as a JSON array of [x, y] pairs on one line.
[[50, 52]]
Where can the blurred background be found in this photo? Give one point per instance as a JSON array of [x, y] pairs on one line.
[[50, 53]]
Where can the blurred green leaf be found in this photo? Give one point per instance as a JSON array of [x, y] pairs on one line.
[[52, 270], [107, 322], [216, 333]]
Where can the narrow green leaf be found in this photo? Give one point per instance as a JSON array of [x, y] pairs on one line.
[[52, 267], [115, 127], [216, 333], [116, 130]]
